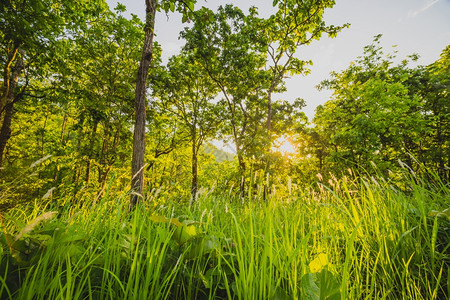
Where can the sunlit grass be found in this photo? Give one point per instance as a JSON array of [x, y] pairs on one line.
[[351, 238]]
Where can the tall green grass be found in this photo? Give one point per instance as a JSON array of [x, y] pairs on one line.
[[349, 238]]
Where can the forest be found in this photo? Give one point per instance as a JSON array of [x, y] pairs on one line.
[[111, 186]]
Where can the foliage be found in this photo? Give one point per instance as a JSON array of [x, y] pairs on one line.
[[377, 115], [83, 118], [80, 116], [30, 34], [295, 24], [224, 49], [186, 93]]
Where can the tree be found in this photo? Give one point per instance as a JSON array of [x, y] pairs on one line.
[[81, 113], [433, 85], [295, 24], [97, 78], [222, 45], [187, 92], [249, 58], [380, 113], [137, 164], [29, 31]]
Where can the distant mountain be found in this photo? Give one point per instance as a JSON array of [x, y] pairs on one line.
[[219, 154]]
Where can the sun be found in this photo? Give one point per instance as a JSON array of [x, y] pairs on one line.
[[283, 145]]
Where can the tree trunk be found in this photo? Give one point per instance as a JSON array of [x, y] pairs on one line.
[[91, 151], [269, 136], [194, 185], [5, 132], [76, 173], [269, 113], [137, 164], [8, 97], [238, 146], [241, 171], [9, 82], [63, 128]]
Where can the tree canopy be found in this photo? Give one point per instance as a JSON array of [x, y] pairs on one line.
[[71, 95]]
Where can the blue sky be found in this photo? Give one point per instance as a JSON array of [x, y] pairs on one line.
[[415, 26]]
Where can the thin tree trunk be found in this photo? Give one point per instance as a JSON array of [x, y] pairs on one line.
[[91, 150], [43, 136], [9, 98], [5, 132], [137, 164], [269, 113], [238, 146], [76, 173], [195, 147], [242, 173], [63, 128], [194, 185], [8, 81]]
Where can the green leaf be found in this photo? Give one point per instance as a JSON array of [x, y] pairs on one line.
[[280, 294], [21, 246], [201, 245], [73, 250], [190, 5], [329, 286], [184, 233], [310, 290], [162, 219], [5, 238], [163, 233], [322, 285]]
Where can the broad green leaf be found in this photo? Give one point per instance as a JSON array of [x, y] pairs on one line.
[[320, 286], [329, 286], [280, 294], [5, 239], [310, 290], [184, 233], [21, 246], [162, 219], [163, 233], [201, 245], [191, 4], [73, 250]]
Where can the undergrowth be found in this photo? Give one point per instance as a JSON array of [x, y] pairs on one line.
[[352, 238]]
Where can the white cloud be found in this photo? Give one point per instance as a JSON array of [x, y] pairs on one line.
[[429, 4]]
